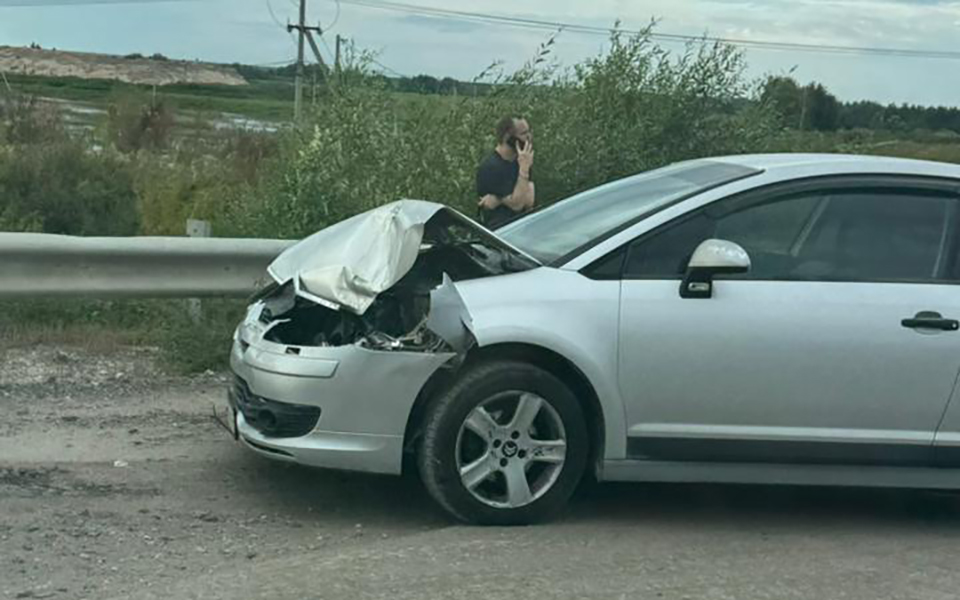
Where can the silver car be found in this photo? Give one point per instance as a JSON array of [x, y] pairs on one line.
[[784, 319]]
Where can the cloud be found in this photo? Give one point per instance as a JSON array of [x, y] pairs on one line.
[[442, 25], [243, 30]]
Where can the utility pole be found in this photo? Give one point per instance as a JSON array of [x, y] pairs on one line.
[[305, 35], [337, 60], [803, 108], [298, 93], [6, 83], [316, 51]]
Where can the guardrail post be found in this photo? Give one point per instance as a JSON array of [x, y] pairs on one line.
[[197, 228]]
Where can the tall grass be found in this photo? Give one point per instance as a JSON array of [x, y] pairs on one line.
[[633, 107]]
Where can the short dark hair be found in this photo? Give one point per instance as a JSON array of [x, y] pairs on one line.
[[506, 125]]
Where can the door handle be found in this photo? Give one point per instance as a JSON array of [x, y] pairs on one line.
[[931, 320]]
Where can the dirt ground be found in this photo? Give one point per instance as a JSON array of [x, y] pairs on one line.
[[116, 483], [144, 71], [114, 478]]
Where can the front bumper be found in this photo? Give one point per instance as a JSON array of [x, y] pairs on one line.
[[270, 418], [364, 399], [351, 452]]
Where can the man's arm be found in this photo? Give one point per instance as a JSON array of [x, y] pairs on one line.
[[524, 194], [489, 202], [522, 198]]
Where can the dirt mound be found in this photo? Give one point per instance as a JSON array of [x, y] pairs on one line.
[[148, 71]]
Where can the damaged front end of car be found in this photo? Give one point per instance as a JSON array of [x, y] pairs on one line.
[[357, 319], [386, 281]]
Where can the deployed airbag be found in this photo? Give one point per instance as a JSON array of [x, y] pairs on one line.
[[348, 264]]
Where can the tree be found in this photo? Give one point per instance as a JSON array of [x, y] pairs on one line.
[[807, 107], [425, 84], [784, 95], [821, 109], [861, 115], [448, 85]]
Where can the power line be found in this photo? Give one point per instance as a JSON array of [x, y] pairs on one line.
[[323, 40], [336, 18], [276, 63], [273, 16], [555, 25], [386, 68], [42, 3], [669, 37]]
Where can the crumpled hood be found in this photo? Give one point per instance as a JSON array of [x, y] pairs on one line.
[[347, 265]]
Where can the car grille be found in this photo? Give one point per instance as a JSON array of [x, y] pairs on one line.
[[271, 418]]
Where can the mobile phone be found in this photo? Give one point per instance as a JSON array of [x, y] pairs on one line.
[[516, 143]]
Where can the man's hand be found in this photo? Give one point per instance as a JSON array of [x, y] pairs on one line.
[[489, 202], [525, 159]]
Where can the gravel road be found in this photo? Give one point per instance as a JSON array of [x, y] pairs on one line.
[[116, 483]]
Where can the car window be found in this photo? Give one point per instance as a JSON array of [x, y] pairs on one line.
[[882, 235], [878, 237], [562, 228], [769, 228]]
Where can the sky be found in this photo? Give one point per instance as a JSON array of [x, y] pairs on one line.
[[245, 31]]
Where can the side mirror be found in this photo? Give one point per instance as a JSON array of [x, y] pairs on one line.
[[712, 258]]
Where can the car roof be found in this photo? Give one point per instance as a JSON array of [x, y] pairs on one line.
[[841, 164]]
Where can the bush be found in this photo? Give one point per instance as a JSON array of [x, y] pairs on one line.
[[197, 179], [54, 182], [136, 123], [29, 120], [65, 188], [630, 109], [189, 347]]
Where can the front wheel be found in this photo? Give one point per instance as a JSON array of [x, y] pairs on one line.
[[507, 444]]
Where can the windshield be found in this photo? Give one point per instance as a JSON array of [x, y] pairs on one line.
[[584, 218]]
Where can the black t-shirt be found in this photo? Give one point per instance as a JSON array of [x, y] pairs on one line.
[[498, 177]]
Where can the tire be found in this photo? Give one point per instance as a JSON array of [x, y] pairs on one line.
[[501, 498]]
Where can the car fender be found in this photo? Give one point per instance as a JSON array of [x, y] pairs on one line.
[[564, 313]]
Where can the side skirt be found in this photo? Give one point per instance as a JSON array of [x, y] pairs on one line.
[[780, 474]]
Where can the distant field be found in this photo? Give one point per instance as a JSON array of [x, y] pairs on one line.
[[940, 151], [264, 99], [270, 100]]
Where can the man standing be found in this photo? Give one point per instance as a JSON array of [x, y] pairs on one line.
[[503, 179]]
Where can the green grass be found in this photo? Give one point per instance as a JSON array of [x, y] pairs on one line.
[[67, 88], [943, 152], [923, 145], [106, 325], [270, 99], [267, 110]]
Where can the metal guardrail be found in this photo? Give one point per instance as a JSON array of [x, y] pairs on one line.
[[39, 265]]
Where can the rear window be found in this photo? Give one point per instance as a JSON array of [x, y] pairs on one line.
[[591, 216]]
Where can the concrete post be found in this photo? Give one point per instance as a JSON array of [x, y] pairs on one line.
[[197, 228]]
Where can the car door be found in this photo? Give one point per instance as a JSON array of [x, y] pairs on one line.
[[838, 347]]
